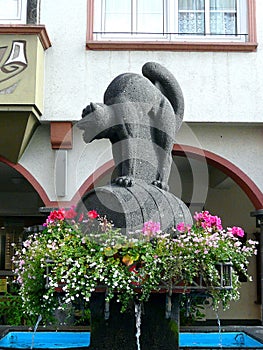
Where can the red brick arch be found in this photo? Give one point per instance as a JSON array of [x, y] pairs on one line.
[[228, 168], [29, 177]]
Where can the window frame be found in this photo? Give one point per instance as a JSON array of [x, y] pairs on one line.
[[188, 44]]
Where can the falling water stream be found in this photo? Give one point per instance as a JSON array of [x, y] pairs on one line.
[[35, 329], [219, 330], [138, 314]]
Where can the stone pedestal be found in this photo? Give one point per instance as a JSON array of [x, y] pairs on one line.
[[119, 330], [129, 208]]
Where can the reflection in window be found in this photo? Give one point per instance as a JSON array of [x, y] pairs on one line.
[[127, 18]]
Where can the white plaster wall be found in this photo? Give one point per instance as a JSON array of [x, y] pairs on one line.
[[41, 161], [74, 76]]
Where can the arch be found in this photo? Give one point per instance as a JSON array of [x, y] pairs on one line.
[[231, 170], [86, 186], [30, 178], [89, 183], [245, 183]]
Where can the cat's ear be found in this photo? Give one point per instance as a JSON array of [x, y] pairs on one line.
[[87, 110], [96, 106], [92, 107]]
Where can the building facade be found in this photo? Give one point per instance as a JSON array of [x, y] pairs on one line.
[[58, 56]]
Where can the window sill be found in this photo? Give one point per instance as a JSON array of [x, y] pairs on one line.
[[172, 46]]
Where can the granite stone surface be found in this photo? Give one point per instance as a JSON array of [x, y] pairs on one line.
[[141, 115]]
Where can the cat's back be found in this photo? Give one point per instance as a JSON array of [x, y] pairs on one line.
[[130, 87]]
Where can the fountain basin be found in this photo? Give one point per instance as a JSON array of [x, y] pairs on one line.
[[81, 340], [45, 340], [216, 340]]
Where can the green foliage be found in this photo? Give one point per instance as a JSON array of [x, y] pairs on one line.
[[12, 311]]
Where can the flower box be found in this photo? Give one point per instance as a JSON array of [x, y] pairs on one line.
[[95, 257]]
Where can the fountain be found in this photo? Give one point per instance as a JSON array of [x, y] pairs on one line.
[[140, 116], [35, 329]]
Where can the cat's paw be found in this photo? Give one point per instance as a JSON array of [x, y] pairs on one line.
[[161, 185], [124, 181]]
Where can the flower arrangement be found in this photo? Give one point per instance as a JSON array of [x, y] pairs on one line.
[[77, 254]]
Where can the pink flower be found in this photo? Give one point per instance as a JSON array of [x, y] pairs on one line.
[[27, 243], [208, 221], [201, 216], [21, 263], [150, 228], [181, 227], [92, 214], [236, 231]]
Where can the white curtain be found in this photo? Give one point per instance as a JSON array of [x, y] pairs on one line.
[[223, 17], [191, 16]]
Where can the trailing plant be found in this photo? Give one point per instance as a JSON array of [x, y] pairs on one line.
[[12, 311], [78, 254]]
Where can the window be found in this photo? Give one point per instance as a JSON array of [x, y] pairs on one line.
[[19, 12], [13, 11], [130, 19], [171, 21]]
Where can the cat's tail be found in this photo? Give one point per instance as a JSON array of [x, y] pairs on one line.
[[164, 80]]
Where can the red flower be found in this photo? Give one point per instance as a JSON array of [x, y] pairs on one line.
[[81, 217], [92, 214], [70, 214], [56, 215]]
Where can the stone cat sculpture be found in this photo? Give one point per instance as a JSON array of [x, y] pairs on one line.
[[140, 116]]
